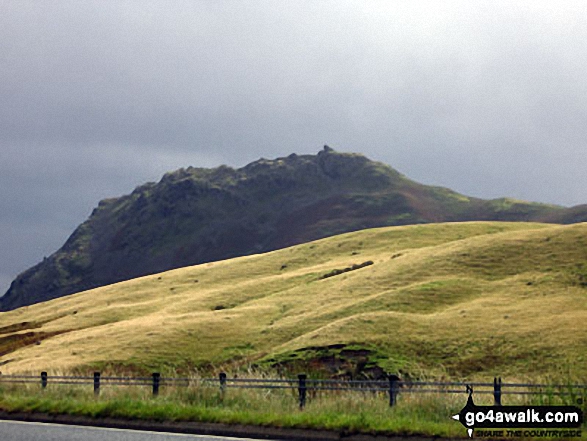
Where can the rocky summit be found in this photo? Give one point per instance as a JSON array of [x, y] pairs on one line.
[[198, 215]]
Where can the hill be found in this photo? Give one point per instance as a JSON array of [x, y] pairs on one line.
[[198, 215], [457, 300]]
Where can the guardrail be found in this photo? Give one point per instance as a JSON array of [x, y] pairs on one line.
[[390, 387]]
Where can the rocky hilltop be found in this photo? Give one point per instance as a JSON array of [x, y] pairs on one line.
[[198, 215]]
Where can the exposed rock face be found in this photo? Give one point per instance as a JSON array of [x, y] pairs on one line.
[[198, 215]]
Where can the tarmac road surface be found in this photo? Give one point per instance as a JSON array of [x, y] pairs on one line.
[[27, 431]]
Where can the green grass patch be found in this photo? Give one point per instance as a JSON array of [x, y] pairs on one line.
[[345, 412]]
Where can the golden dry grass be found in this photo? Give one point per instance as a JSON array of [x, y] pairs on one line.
[[455, 300]]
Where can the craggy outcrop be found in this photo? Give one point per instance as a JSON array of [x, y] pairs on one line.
[[198, 215]]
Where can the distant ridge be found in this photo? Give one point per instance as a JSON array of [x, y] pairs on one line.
[[199, 215]]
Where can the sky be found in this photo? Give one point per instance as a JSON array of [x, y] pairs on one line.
[[488, 98]]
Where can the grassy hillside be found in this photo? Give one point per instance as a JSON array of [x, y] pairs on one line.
[[198, 215], [443, 300]]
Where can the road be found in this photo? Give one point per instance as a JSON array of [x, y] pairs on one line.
[[24, 431]]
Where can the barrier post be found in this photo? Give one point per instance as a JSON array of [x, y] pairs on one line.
[[302, 390], [156, 378], [497, 391], [96, 383], [222, 379], [393, 389]]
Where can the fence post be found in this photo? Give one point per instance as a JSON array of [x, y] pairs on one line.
[[302, 390], [393, 388], [44, 380], [222, 379], [497, 391], [96, 383], [156, 378]]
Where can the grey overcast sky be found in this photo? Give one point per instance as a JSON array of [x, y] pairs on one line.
[[488, 98]]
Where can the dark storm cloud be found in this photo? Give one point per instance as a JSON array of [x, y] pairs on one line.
[[96, 97]]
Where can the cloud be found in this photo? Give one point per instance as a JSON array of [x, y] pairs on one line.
[[487, 98], [48, 190]]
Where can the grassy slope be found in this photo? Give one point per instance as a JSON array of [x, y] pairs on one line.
[[458, 300], [197, 216]]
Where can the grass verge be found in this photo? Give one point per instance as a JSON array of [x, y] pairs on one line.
[[343, 412]]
